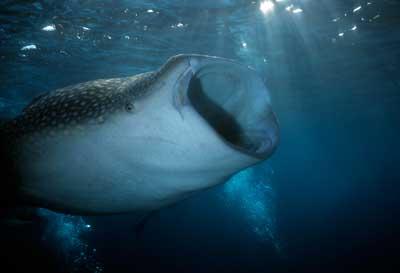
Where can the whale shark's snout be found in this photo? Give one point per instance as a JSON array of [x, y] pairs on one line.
[[232, 98]]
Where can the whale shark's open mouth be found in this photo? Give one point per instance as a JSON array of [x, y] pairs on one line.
[[235, 102]]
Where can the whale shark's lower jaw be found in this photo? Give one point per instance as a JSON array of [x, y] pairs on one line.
[[234, 101]]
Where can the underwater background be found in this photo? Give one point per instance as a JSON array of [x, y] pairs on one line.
[[327, 200]]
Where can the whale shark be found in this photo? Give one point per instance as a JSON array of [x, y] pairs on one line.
[[138, 143]]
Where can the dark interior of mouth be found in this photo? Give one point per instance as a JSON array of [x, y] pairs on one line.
[[218, 99]]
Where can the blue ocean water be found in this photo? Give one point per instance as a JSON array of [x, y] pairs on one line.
[[327, 201]]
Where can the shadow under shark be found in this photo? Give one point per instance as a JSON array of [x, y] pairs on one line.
[[138, 143]]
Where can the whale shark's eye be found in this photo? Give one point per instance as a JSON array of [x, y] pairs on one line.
[[129, 107]]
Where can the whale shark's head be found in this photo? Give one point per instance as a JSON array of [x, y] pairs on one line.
[[230, 97]]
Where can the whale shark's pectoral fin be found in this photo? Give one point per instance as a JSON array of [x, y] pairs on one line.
[[142, 222]]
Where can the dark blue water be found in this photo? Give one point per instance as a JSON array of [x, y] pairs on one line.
[[327, 201]]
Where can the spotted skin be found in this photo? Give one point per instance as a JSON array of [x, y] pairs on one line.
[[71, 109], [68, 111]]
